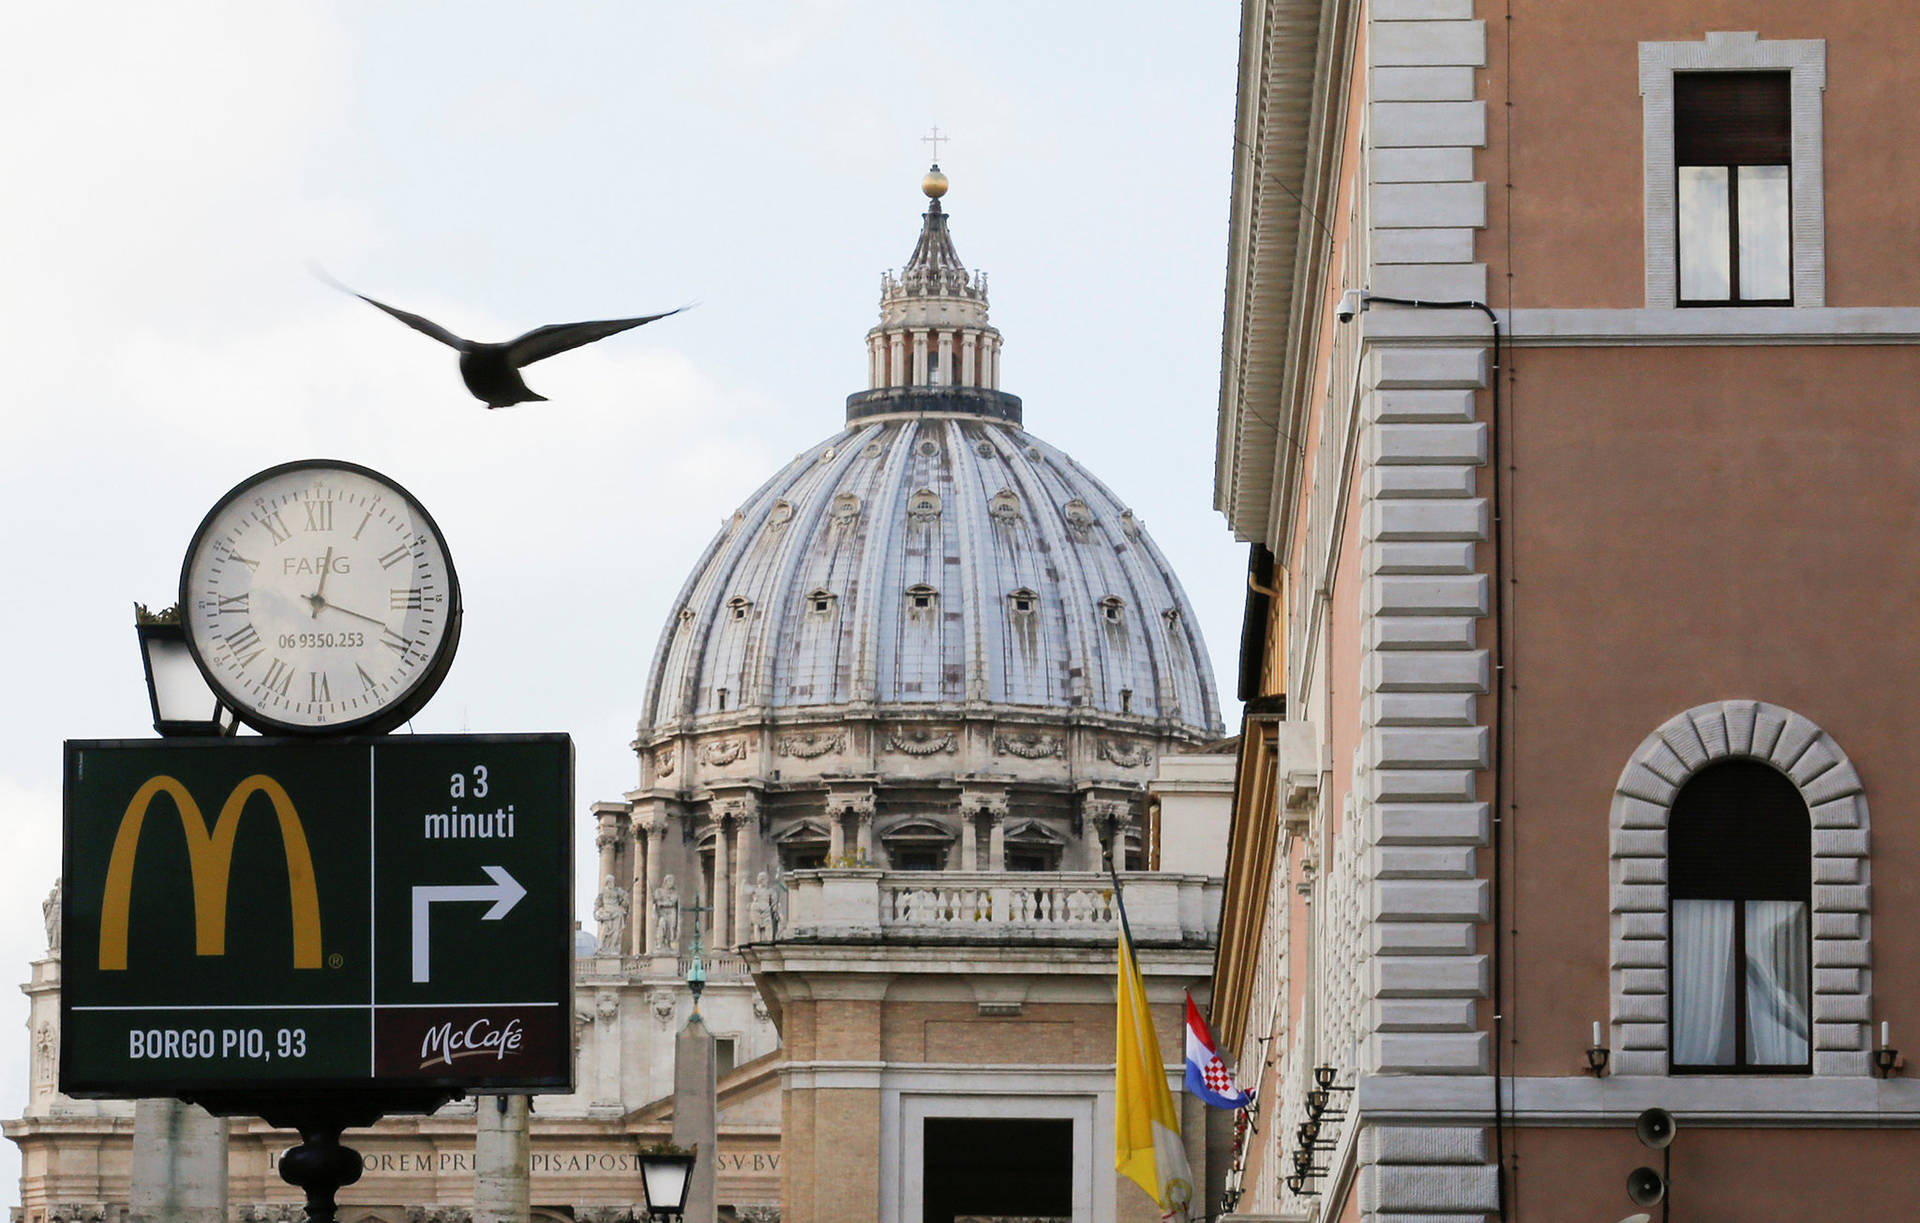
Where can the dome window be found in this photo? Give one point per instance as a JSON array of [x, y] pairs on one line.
[[1078, 514], [738, 607], [1023, 601], [921, 597], [720, 698], [846, 508], [1111, 607], [821, 602], [781, 514], [1005, 505], [924, 504], [1126, 700], [1171, 616]]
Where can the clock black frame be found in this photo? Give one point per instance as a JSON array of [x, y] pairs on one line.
[[407, 703]]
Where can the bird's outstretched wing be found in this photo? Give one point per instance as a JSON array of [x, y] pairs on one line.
[[544, 342], [424, 326]]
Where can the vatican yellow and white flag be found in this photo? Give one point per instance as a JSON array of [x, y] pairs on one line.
[[1146, 1128]]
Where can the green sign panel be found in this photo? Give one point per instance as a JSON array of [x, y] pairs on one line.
[[266, 913]]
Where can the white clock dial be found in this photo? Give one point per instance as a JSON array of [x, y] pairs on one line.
[[319, 598]]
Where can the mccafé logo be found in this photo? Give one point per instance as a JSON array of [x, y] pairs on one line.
[[210, 855], [480, 1038]]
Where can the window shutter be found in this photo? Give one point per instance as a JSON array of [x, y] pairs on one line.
[[1732, 119]]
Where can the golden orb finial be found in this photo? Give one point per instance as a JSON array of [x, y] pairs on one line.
[[935, 183]]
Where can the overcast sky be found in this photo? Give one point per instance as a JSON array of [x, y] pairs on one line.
[[172, 168]]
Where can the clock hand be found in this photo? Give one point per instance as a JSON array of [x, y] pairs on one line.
[[343, 611], [318, 597]]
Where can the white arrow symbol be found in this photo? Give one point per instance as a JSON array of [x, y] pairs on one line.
[[505, 892]]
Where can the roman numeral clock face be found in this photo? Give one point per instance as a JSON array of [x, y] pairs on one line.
[[319, 599]]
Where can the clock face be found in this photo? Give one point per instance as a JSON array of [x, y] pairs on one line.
[[319, 599]]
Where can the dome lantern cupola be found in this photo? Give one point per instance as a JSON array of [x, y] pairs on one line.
[[933, 349]]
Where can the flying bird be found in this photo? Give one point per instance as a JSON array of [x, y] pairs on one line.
[[492, 371]]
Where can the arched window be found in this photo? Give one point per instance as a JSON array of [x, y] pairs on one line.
[[738, 607], [920, 597], [1740, 863]]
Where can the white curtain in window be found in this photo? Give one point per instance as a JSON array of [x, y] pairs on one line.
[[1703, 982], [1776, 982]]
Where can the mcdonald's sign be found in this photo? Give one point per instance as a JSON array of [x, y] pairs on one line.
[[210, 854], [358, 908]]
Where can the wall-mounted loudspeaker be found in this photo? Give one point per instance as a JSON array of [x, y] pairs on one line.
[[1655, 1128], [1646, 1187]]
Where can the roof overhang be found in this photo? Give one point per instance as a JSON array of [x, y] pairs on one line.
[[1293, 69]]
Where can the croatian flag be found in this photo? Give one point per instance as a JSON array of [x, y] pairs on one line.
[[1208, 1076]]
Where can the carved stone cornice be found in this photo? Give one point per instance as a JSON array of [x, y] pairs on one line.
[[850, 798]]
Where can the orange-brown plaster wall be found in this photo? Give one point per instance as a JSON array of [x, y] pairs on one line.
[[1719, 1175], [1691, 525], [1577, 236]]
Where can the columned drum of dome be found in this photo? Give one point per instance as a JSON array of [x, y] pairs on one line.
[[931, 641]]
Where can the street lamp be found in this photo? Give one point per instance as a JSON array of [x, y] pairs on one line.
[[178, 694], [666, 1178]]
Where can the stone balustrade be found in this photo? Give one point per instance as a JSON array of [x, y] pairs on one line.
[[997, 906]]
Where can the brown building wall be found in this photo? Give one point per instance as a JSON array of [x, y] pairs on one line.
[[1689, 525], [1719, 1175], [1574, 160]]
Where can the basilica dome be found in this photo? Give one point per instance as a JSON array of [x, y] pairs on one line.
[[932, 641], [933, 553]]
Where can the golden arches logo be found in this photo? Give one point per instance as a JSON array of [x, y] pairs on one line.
[[210, 856]]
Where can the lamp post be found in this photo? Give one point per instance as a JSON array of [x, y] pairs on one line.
[[182, 703], [666, 1178]]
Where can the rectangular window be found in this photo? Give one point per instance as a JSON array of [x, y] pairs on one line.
[[1732, 143]]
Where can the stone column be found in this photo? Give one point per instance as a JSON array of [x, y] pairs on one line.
[[897, 352], [968, 344], [742, 916], [501, 1189], [179, 1164], [656, 869], [639, 899], [608, 843], [865, 833], [947, 371], [997, 842], [836, 835], [969, 838], [1092, 851], [695, 1114], [722, 894], [919, 358]]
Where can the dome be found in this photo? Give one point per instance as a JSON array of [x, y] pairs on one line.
[[931, 597], [933, 552]]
